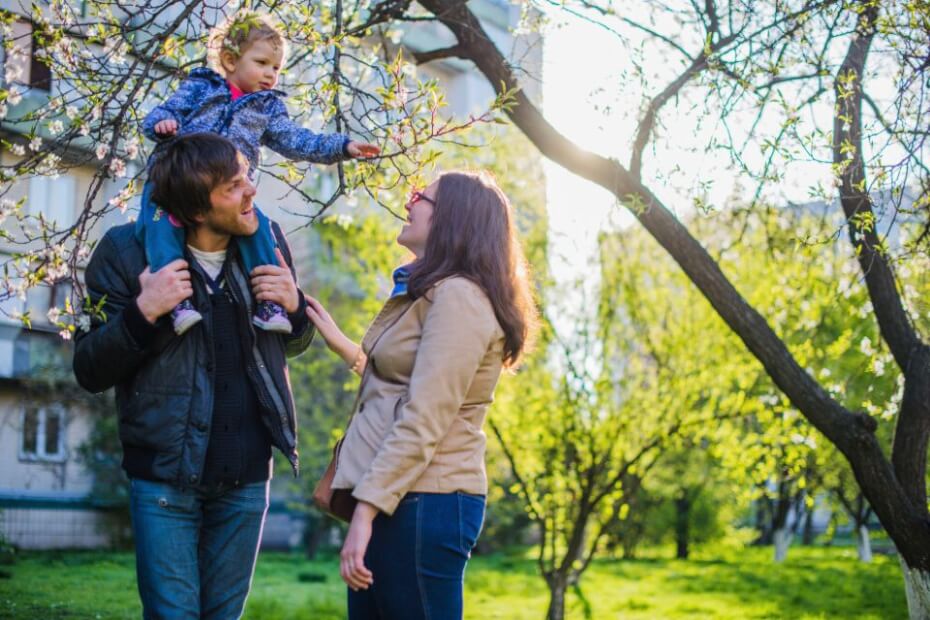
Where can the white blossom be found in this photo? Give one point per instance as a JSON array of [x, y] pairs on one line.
[[18, 149], [83, 322], [71, 111], [53, 314], [14, 71], [117, 167], [35, 144], [14, 96], [102, 150], [865, 345], [56, 127], [132, 147]]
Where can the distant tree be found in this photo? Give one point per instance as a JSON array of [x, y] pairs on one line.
[[804, 66]]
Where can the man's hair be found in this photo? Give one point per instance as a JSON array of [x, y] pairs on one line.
[[235, 35], [188, 169]]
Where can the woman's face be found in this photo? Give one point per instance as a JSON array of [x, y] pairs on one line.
[[419, 217]]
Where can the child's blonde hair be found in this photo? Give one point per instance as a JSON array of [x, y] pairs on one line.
[[242, 29]]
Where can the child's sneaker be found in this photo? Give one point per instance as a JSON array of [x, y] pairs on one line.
[[272, 318], [183, 317]]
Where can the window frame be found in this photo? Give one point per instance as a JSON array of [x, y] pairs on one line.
[[40, 455]]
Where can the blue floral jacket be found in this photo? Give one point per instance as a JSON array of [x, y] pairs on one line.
[[203, 103]]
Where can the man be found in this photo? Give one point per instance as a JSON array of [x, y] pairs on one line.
[[198, 413]]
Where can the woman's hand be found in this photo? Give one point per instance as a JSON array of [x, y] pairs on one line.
[[337, 342], [324, 323], [352, 557]]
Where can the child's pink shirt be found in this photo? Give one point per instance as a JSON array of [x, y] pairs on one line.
[[235, 92]]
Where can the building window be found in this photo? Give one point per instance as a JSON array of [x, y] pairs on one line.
[[43, 434], [24, 65]]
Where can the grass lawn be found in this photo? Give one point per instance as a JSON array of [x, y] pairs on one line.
[[812, 583]]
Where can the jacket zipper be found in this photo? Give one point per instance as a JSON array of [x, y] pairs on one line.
[[262, 391]]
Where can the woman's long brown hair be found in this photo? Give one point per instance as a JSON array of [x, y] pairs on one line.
[[472, 235]]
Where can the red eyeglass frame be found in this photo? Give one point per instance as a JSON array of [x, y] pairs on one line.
[[417, 196]]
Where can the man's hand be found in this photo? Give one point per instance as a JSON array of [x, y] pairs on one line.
[[167, 127], [275, 283], [164, 289], [352, 557], [362, 149]]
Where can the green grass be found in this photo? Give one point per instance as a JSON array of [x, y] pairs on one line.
[[812, 583]]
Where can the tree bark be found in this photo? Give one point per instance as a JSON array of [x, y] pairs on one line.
[[917, 589], [682, 518], [863, 543], [558, 585], [807, 537], [782, 540], [891, 490]]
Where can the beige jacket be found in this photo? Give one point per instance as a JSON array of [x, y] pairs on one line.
[[432, 367]]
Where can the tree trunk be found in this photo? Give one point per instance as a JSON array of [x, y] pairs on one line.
[[782, 539], [558, 585], [896, 492], [863, 543], [764, 517], [682, 515], [807, 537], [917, 589]]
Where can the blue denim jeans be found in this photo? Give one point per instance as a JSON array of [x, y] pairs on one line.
[[196, 548], [418, 557]]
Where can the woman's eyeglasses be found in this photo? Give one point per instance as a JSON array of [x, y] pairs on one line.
[[417, 196]]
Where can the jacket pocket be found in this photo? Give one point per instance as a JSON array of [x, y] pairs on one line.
[[155, 419]]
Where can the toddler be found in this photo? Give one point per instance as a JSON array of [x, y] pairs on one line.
[[236, 100]]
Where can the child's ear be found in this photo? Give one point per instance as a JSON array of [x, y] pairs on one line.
[[228, 61]]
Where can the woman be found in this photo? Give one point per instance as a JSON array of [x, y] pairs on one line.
[[413, 454]]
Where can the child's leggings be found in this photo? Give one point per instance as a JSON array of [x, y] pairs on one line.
[[164, 239]]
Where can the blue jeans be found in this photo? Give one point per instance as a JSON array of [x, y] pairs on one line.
[[418, 557], [164, 242], [196, 548]]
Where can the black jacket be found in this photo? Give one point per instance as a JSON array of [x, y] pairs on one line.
[[164, 382]]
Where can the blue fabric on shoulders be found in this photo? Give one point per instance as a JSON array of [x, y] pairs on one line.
[[400, 276]]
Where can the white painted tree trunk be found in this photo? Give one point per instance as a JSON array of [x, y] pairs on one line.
[[917, 588], [863, 544], [782, 539]]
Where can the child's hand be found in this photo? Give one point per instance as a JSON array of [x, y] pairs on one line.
[[167, 127], [362, 149]]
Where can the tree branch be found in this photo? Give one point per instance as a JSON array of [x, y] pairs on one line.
[[438, 54], [909, 452], [852, 437]]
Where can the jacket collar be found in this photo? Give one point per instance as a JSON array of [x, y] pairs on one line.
[[218, 81]]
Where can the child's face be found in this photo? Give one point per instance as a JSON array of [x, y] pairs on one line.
[[258, 67]]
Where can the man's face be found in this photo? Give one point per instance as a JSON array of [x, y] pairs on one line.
[[233, 212]]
